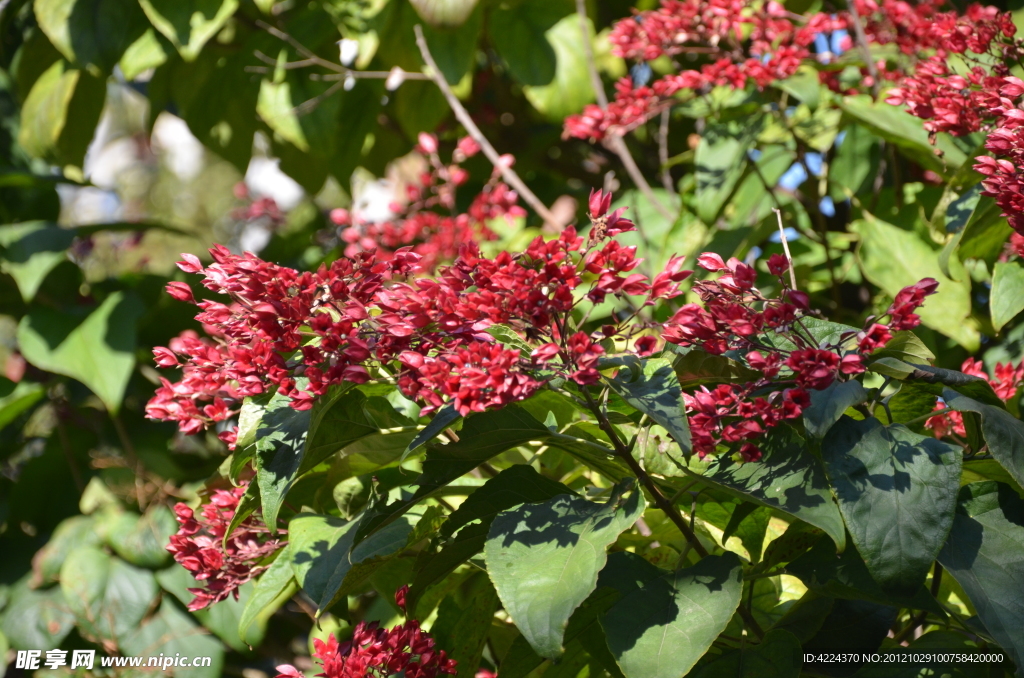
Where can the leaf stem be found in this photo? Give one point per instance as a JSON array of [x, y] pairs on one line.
[[926, 417]]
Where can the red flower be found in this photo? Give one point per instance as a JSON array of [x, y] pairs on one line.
[[813, 368]]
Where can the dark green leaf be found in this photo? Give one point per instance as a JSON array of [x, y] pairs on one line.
[[805, 618], [141, 540], [656, 393], [778, 655], [518, 32], [853, 626], [91, 32], [442, 419], [829, 404], [663, 622], [896, 490], [985, 554], [462, 631], [30, 251], [907, 347], [36, 619], [788, 477], [98, 351], [272, 589], [60, 114], [544, 559], [721, 158], [1003, 432], [75, 532], [969, 385]]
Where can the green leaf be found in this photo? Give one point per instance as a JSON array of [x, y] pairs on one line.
[[891, 367], [846, 576], [519, 33], [788, 477], [1007, 299], [805, 618], [696, 368], [853, 626], [17, 398], [91, 32], [462, 631], [905, 131], [905, 346], [149, 51], [313, 131], [720, 159], [896, 490], [519, 484], [663, 622], [60, 114], [189, 24], [171, 632], [107, 596], [454, 47], [221, 618], [825, 332], [36, 619], [778, 655], [98, 351], [273, 588], [1003, 432], [544, 559], [570, 90], [828, 405], [985, 554], [656, 393], [442, 419], [893, 259], [30, 251], [933, 379], [141, 540]]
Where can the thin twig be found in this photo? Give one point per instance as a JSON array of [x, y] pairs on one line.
[[463, 116], [785, 247], [308, 105], [862, 40], [615, 142], [138, 470]]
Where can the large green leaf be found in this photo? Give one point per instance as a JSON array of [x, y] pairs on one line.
[[788, 477], [519, 33], [75, 532], [36, 618], [778, 655], [462, 630], [570, 90], [189, 24], [544, 559], [519, 484], [444, 13], [107, 596], [656, 393], [985, 554], [98, 351], [893, 258], [30, 251], [1003, 432], [312, 131], [896, 490], [1007, 298], [171, 632], [829, 404], [721, 158], [141, 540], [852, 626], [663, 622], [897, 126], [222, 618], [17, 398], [91, 32], [60, 114]]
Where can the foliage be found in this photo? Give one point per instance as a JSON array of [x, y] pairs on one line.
[[442, 409]]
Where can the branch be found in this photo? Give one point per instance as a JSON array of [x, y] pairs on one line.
[[615, 142], [666, 175], [785, 247], [862, 41], [463, 116]]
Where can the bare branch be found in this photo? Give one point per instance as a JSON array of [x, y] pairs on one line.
[[615, 142], [463, 116], [862, 41], [666, 174], [785, 247]]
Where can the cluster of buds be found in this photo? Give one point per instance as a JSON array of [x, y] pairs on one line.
[[300, 333], [373, 652], [435, 236], [1006, 382], [222, 564], [773, 340]]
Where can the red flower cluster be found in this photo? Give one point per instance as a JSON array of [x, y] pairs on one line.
[[745, 43], [302, 332], [374, 652], [1006, 382], [434, 236], [199, 546], [770, 334]]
